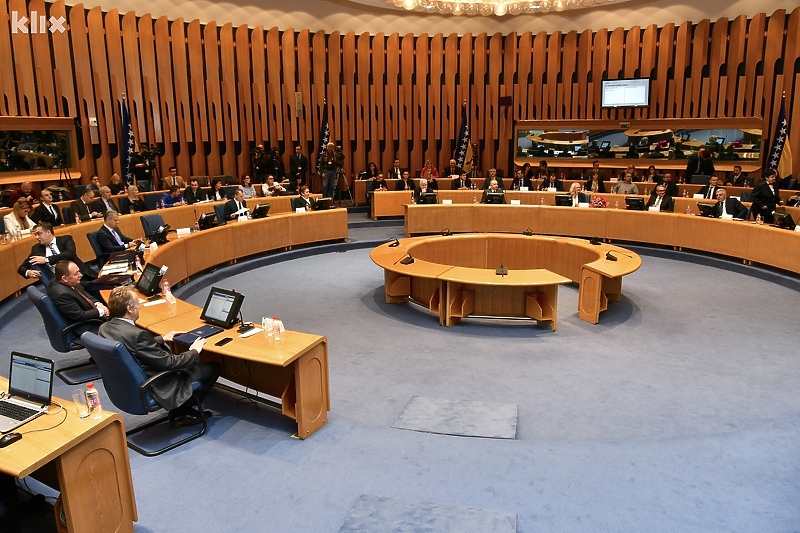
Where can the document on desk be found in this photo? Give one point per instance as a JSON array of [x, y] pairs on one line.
[[250, 333]]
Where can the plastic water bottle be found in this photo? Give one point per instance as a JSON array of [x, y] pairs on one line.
[[276, 328], [688, 210], [77, 218], [93, 401], [138, 263], [759, 220]]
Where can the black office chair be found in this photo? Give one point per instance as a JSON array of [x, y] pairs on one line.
[[151, 223], [129, 388], [219, 210], [64, 338], [66, 212], [100, 257]]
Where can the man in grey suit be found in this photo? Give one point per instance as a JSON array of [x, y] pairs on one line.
[[172, 392]]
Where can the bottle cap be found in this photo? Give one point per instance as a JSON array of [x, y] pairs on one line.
[[90, 385]]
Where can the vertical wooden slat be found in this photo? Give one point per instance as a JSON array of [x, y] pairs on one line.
[[304, 63], [420, 114], [523, 92], [258, 55], [244, 88], [228, 102], [772, 89], [8, 84], [436, 103], [23, 62], [288, 126], [102, 85], [736, 50], [599, 72], [718, 52], [273, 72], [152, 109], [133, 82], [616, 64], [183, 103], [583, 70], [683, 53], [166, 91], [362, 116], [569, 57], [392, 93], [648, 66], [451, 105], [348, 114], [665, 61], [213, 82], [406, 96], [43, 65]]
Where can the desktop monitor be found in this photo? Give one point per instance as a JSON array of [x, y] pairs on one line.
[[495, 198], [160, 236], [428, 198], [222, 307], [700, 179], [563, 200], [261, 211], [784, 220], [206, 220], [150, 280], [708, 210], [605, 146], [634, 203], [321, 204]]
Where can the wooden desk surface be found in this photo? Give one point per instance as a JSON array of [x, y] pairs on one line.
[[514, 278]]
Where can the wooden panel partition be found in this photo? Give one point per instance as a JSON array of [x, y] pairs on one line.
[[207, 93]]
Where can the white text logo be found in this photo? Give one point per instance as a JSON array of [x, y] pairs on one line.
[[38, 23]]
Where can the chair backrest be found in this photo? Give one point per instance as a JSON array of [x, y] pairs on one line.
[[746, 196], [78, 190], [151, 223], [54, 323], [202, 181], [122, 374], [66, 212], [219, 209], [101, 257], [230, 190], [151, 200]]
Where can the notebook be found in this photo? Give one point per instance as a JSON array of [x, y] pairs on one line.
[[203, 332], [30, 388]]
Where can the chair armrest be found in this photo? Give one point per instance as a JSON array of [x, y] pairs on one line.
[[144, 388], [71, 327]]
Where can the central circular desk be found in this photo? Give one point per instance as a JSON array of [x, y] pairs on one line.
[[462, 276]]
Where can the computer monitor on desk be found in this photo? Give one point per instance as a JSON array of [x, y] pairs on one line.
[[784, 220], [321, 204], [206, 220], [150, 280], [495, 198], [160, 236], [261, 211], [708, 210], [634, 203], [427, 198], [563, 200], [222, 307]]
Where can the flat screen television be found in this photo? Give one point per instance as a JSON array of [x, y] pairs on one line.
[[634, 203], [784, 220], [625, 93], [150, 280], [222, 307], [563, 200], [321, 204], [206, 220], [428, 198], [261, 211], [495, 198], [708, 210]]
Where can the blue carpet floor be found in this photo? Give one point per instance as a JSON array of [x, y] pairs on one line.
[[678, 412]]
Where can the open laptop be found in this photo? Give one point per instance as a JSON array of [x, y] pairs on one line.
[[30, 388]]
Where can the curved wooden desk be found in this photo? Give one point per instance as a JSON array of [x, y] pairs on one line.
[[740, 239], [455, 276]]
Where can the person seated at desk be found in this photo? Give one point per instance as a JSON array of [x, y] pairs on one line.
[[452, 170], [671, 186], [633, 171], [543, 172], [117, 185], [528, 172], [405, 183], [710, 191], [48, 251], [380, 183], [766, 197], [303, 201], [193, 193], [94, 184], [577, 196], [429, 171], [737, 179], [594, 183], [217, 193], [520, 181], [247, 188], [172, 392], [596, 167], [396, 172], [423, 188], [25, 191], [172, 198], [131, 202], [652, 175], [661, 200], [550, 182], [47, 211], [82, 207], [794, 200], [71, 299], [110, 239], [236, 206], [492, 175], [626, 187], [18, 219], [494, 188], [461, 183], [729, 206], [104, 202], [272, 188], [173, 179]]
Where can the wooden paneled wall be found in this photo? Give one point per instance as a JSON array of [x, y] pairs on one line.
[[208, 93]]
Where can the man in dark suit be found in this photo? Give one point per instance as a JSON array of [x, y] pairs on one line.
[[83, 206], [422, 189], [47, 211], [494, 188], [405, 183], [452, 170], [47, 252], [72, 300], [104, 203], [737, 179], [672, 187], [110, 238], [520, 181], [193, 193], [660, 199], [461, 182], [699, 163], [298, 168], [395, 173], [552, 183], [236, 206], [492, 175], [710, 191], [766, 197], [729, 206], [302, 201], [173, 392]]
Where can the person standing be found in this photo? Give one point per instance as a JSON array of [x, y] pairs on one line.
[[298, 169], [330, 165]]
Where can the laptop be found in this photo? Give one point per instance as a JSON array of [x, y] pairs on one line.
[[203, 332], [30, 388]]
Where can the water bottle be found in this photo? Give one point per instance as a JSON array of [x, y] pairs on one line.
[[93, 401], [688, 210], [165, 286], [77, 218], [616, 204], [276, 328], [197, 226], [759, 220], [138, 263]]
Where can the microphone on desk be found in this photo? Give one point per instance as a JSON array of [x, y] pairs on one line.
[[405, 260], [594, 241], [501, 270], [395, 244], [528, 232], [446, 232], [610, 257]]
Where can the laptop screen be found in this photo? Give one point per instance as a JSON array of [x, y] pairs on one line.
[[31, 377]]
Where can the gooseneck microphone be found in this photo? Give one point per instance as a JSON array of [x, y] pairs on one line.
[[610, 257], [405, 260], [395, 244]]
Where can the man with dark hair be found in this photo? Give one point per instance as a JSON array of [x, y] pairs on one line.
[[193, 193], [173, 392], [544, 172], [298, 168], [172, 198], [672, 187], [452, 170], [661, 200], [710, 191], [699, 163], [405, 183], [47, 211], [173, 179], [766, 197], [48, 251], [396, 172], [236, 206], [737, 179], [729, 206], [82, 207], [71, 299], [105, 202]]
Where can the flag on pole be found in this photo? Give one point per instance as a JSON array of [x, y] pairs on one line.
[[324, 137], [780, 154], [463, 155], [127, 144]]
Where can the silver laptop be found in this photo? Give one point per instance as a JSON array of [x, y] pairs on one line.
[[30, 388]]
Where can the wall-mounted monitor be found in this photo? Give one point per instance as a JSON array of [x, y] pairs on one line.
[[626, 93]]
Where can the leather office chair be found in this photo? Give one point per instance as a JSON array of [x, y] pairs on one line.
[[152, 200], [66, 213], [219, 209], [151, 223], [62, 336], [100, 257], [128, 387]]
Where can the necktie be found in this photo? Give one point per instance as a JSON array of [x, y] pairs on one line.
[[116, 236], [710, 192], [53, 249], [658, 201], [722, 208], [52, 211], [86, 298]]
